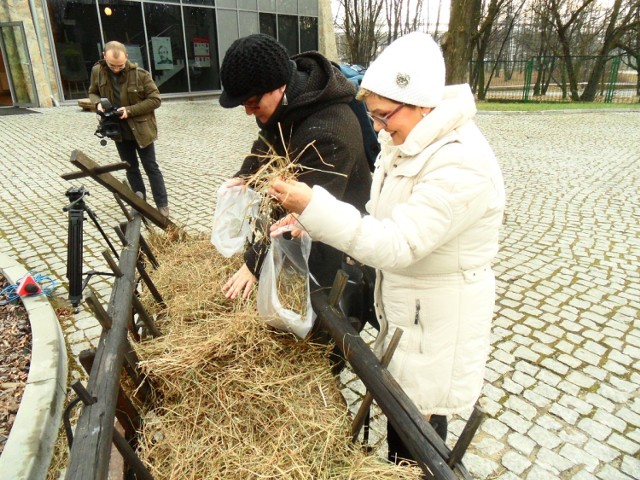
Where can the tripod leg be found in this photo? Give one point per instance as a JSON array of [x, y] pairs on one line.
[[74, 256]]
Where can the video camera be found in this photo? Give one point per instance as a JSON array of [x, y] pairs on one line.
[[109, 125]]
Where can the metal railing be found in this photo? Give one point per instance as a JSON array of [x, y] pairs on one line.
[[546, 79]]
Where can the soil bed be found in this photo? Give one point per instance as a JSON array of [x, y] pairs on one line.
[[15, 358]]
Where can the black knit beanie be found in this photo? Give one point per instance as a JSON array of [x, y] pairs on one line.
[[253, 65]]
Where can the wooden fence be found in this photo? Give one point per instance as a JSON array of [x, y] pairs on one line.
[[104, 400]]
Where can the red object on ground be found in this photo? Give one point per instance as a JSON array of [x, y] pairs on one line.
[[28, 286]]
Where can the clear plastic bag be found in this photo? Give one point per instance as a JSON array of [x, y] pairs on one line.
[[235, 209], [284, 299]]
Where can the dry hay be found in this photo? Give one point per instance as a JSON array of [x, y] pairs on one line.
[[238, 400], [291, 286], [274, 166]]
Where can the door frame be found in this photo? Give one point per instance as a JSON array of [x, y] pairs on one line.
[[3, 51]]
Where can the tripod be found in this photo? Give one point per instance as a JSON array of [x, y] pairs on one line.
[[76, 209]]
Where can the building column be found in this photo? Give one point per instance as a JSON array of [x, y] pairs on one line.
[[326, 32]]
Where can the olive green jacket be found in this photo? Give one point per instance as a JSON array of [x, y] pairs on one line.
[[138, 94]]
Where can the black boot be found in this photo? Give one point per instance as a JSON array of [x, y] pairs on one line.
[[398, 451], [439, 424]]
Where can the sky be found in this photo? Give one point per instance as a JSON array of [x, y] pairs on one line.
[[429, 11]]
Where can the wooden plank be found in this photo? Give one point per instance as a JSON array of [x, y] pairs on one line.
[[139, 469], [97, 309], [420, 438], [123, 207], [87, 165], [95, 427], [126, 412], [96, 171], [466, 436], [145, 317], [363, 411], [144, 247]]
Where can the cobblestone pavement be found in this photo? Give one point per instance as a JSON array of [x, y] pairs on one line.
[[562, 381]]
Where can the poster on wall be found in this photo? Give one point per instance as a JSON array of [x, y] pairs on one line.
[[162, 55], [135, 54], [201, 54]]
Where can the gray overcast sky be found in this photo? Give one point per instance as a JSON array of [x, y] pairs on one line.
[[429, 14]]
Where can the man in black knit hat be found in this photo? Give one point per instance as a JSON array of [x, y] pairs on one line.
[[305, 99]]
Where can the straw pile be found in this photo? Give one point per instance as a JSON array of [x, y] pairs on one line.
[[283, 167], [292, 289], [236, 399]]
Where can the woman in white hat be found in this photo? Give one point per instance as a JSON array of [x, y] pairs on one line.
[[436, 206]]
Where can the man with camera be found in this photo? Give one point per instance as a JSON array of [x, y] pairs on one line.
[[133, 96]]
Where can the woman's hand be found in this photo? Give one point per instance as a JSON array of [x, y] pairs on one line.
[[294, 196], [240, 283], [287, 224]]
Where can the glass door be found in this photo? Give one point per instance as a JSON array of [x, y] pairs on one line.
[[17, 65]]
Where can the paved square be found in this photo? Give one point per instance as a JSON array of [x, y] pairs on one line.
[[562, 383]]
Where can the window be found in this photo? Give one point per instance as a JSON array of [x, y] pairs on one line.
[[153, 33], [248, 22], [122, 21], [76, 34], [166, 47], [202, 46], [288, 32], [268, 24], [200, 2], [267, 5], [308, 33], [247, 5]]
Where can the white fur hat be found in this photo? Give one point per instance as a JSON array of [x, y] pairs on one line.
[[410, 70]]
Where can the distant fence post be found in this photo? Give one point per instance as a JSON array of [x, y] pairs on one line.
[[528, 74], [613, 78]]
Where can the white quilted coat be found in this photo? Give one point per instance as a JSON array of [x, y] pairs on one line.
[[436, 207]]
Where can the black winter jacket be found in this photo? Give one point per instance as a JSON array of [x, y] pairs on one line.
[[318, 111]]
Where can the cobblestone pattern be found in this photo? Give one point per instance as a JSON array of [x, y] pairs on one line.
[[562, 379]]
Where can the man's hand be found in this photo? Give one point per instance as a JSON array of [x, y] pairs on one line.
[[123, 113], [239, 284]]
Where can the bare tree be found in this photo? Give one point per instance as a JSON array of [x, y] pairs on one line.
[[494, 32], [369, 24], [458, 43], [435, 33], [402, 16], [621, 18], [630, 45], [537, 37], [567, 18], [361, 27], [568, 40]]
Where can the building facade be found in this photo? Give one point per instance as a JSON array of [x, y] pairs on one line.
[[49, 46]]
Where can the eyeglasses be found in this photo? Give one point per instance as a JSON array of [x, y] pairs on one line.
[[116, 68], [253, 104], [385, 120]]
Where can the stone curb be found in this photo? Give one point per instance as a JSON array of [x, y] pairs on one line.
[[27, 453]]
